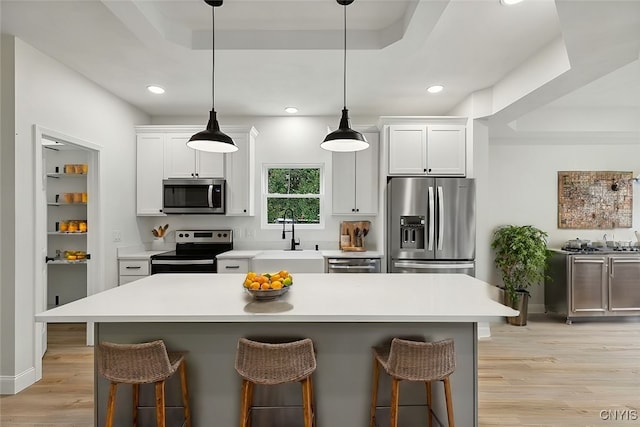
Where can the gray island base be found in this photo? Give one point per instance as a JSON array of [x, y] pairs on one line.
[[344, 315]]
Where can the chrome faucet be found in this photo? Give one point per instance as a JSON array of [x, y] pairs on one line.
[[292, 231]]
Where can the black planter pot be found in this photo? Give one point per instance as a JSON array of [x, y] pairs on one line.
[[520, 303]]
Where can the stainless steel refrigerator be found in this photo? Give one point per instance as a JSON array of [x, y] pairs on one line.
[[431, 225]]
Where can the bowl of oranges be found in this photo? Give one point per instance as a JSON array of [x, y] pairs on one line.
[[268, 286]]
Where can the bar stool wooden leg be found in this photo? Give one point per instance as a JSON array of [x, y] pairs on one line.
[[185, 393], [135, 393], [374, 392], [447, 395], [306, 402], [245, 402], [111, 404], [313, 401], [250, 403], [429, 400], [395, 395], [160, 402]]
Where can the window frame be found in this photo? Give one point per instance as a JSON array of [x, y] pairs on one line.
[[266, 195]]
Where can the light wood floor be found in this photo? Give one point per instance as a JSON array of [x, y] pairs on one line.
[[543, 374]]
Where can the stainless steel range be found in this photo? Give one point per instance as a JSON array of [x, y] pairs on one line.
[[196, 252]]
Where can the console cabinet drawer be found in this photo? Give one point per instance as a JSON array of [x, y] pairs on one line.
[[233, 266], [133, 267]]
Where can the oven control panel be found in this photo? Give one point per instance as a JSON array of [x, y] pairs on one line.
[[204, 236]]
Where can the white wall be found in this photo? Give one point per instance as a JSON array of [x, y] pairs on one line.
[[523, 185], [7, 213], [53, 96], [288, 139]]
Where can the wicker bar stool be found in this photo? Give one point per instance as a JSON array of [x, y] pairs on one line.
[[143, 363], [413, 361], [272, 364]]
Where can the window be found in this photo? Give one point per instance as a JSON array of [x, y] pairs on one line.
[[293, 187]]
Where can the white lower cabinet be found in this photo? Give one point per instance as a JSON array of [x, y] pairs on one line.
[[130, 270], [231, 265]]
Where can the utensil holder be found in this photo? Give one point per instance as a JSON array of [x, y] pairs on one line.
[[157, 243]]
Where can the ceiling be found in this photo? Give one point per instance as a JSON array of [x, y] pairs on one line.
[[505, 61]]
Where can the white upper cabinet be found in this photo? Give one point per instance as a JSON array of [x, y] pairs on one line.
[[240, 174], [355, 180], [181, 161], [446, 150], [427, 148], [149, 173], [162, 153], [407, 150]]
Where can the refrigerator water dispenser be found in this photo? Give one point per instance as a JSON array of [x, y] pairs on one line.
[[412, 232]]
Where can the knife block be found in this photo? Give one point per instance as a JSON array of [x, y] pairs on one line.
[[352, 235]]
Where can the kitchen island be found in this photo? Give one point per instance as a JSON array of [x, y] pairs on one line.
[[344, 314]]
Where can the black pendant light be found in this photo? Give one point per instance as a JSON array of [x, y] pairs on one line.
[[212, 139], [344, 138]]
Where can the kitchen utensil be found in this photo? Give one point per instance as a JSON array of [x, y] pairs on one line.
[[154, 232], [577, 243]]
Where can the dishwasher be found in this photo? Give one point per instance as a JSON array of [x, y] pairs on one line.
[[353, 265]]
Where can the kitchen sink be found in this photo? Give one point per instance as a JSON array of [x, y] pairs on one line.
[[292, 261]]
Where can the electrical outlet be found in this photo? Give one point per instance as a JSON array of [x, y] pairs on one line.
[[117, 236]]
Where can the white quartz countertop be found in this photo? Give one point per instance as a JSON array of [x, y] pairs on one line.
[[234, 254], [143, 254], [351, 254], [312, 298]]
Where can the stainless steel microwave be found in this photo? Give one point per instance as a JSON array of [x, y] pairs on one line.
[[193, 196]]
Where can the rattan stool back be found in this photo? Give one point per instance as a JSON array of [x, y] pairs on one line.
[[272, 364]]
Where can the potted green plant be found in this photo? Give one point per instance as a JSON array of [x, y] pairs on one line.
[[521, 257]]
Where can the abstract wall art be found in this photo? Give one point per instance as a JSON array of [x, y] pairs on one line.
[[595, 199]]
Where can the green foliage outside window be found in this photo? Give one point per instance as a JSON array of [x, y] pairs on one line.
[[294, 188]]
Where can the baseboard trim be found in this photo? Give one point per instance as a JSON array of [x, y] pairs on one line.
[[15, 384], [536, 308], [484, 330]]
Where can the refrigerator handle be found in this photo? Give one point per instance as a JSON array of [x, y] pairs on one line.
[[440, 217], [431, 218]]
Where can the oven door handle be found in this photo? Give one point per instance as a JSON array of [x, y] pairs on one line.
[[182, 262]]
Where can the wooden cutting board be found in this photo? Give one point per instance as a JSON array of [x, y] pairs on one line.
[[353, 234]]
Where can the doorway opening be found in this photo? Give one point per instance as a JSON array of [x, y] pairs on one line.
[[67, 229]]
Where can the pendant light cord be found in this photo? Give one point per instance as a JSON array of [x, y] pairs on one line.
[[345, 58], [213, 57]]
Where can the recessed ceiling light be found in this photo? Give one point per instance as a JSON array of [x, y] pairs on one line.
[[291, 110], [510, 2], [435, 88], [155, 89]]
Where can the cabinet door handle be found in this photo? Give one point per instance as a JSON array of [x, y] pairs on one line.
[[232, 267], [357, 210], [131, 267]]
